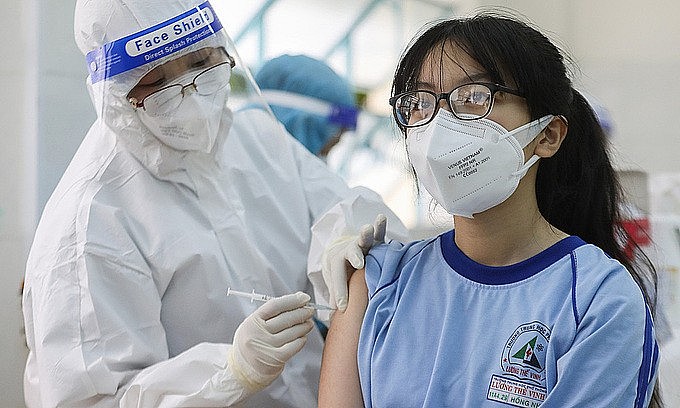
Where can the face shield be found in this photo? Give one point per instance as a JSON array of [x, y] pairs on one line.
[[163, 75]]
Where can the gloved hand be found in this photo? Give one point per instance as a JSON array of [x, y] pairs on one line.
[[345, 255], [268, 338]]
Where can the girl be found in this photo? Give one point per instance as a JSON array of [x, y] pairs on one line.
[[530, 301]]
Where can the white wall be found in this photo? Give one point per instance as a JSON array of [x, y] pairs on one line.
[[44, 112], [65, 110], [631, 55], [629, 59], [18, 74]]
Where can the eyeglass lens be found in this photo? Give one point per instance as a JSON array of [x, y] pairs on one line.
[[471, 101], [205, 83]]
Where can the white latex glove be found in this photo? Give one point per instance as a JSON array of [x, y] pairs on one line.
[[268, 338], [345, 255]]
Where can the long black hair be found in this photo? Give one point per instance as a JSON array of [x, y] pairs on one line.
[[577, 189]]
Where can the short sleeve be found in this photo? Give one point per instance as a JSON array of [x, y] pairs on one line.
[[384, 263], [374, 263]]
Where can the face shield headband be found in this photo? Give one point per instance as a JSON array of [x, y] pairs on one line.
[[341, 115], [153, 43]]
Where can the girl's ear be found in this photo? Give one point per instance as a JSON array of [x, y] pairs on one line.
[[550, 139]]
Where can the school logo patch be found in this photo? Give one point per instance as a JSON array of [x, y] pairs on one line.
[[524, 353], [527, 354], [522, 381]]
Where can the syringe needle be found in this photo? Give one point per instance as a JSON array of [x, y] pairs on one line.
[[318, 306], [260, 297]]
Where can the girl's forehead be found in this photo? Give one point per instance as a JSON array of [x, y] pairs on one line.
[[447, 67]]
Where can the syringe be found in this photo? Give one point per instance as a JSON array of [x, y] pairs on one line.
[[260, 297]]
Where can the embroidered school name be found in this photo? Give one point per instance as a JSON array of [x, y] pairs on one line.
[[522, 372], [515, 393]]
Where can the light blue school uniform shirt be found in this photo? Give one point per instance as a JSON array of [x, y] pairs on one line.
[[566, 328]]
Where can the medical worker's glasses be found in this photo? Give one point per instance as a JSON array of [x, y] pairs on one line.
[[467, 102], [206, 82]]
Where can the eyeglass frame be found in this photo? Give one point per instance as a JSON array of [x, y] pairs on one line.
[[230, 60], [493, 87]]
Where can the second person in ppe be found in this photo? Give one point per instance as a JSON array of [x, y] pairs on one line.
[[185, 185], [314, 103]]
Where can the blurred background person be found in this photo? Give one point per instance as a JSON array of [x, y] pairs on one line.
[[315, 104]]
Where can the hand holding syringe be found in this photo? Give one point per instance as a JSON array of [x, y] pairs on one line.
[[260, 297]]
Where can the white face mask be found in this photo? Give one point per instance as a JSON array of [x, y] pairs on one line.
[[470, 166], [194, 125]]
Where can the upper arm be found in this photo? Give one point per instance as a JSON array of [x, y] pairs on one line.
[[339, 385]]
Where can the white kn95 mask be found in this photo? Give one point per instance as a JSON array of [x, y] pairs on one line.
[[470, 166], [195, 124]]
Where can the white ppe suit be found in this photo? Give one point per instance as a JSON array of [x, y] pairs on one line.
[[124, 299]]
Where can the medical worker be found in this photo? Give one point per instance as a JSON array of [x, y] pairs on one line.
[[530, 300], [184, 186], [314, 103]]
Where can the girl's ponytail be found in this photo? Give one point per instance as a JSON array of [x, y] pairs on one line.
[[579, 192]]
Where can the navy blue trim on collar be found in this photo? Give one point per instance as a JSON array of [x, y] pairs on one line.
[[503, 275]]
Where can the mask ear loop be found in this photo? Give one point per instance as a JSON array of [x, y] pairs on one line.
[[524, 130], [526, 166], [521, 134]]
